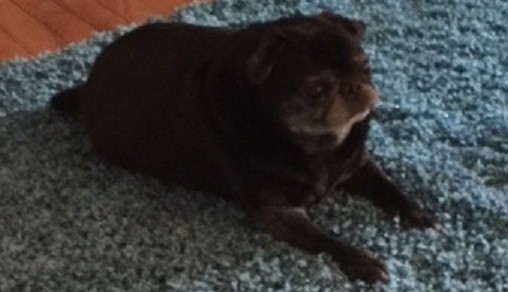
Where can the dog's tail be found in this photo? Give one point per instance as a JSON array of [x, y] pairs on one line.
[[67, 102]]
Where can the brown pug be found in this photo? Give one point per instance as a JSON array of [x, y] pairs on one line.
[[274, 117]]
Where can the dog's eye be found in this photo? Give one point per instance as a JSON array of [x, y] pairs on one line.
[[318, 89]]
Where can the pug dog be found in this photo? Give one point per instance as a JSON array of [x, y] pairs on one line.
[[273, 116]]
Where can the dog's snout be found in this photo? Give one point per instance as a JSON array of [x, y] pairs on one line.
[[370, 92], [346, 90], [357, 88], [360, 95], [351, 90], [362, 63]]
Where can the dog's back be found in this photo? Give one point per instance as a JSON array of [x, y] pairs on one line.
[[142, 104]]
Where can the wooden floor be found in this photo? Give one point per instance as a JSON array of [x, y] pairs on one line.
[[30, 27]]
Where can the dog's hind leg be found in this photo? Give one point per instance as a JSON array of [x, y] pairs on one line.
[[67, 102]]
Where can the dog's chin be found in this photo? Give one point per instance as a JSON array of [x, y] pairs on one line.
[[315, 137], [343, 130], [339, 130]]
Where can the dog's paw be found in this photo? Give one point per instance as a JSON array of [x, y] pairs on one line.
[[415, 217], [364, 266]]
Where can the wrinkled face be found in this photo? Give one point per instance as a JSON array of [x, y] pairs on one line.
[[319, 81], [330, 101]]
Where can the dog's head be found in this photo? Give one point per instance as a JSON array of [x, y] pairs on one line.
[[313, 76]]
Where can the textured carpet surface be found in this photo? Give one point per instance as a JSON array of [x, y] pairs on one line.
[[70, 222]]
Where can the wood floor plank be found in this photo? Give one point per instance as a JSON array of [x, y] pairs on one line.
[[93, 13], [10, 47], [165, 7], [30, 27], [33, 35], [133, 10], [59, 20]]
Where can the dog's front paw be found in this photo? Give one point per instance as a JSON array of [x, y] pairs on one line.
[[364, 266], [417, 218]]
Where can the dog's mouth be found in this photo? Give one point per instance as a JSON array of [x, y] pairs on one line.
[[350, 106], [335, 117], [335, 134], [318, 128], [340, 118], [361, 115]]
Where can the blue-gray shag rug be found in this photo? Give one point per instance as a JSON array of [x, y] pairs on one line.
[[71, 222]]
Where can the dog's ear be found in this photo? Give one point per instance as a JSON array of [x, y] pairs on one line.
[[355, 27], [260, 62]]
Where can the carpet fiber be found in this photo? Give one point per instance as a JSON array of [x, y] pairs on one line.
[[71, 222]]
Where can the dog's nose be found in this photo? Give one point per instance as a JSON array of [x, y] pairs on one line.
[[360, 89], [370, 93], [361, 96], [361, 62], [361, 59]]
